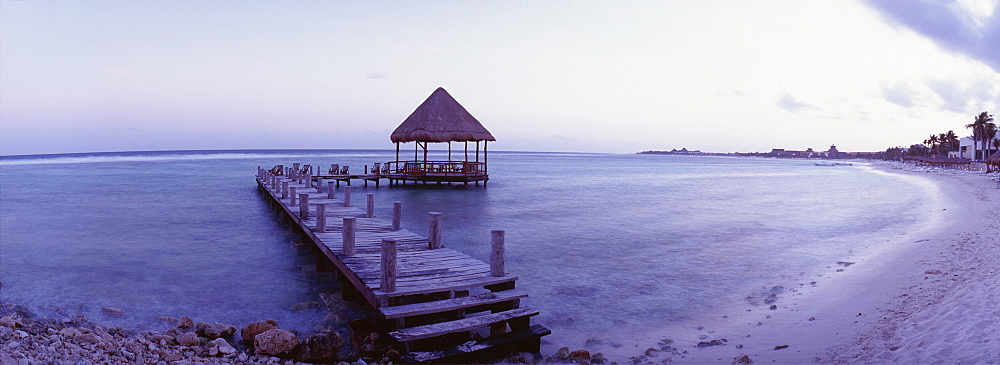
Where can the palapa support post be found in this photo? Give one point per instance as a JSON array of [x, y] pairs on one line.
[[331, 192], [293, 196], [434, 230], [319, 185], [397, 215], [284, 190], [347, 196], [321, 218], [349, 231], [309, 181], [370, 211], [388, 282], [497, 253], [304, 205]]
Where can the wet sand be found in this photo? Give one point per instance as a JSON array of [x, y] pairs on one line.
[[928, 296]]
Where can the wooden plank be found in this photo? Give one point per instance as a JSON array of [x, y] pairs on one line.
[[443, 286], [438, 306], [471, 323]]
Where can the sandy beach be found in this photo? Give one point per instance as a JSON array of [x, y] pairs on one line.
[[927, 297]]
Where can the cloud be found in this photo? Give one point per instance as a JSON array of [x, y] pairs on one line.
[[789, 103], [374, 75], [965, 97], [899, 94], [972, 31]]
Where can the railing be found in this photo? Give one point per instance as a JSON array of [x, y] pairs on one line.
[[435, 168]]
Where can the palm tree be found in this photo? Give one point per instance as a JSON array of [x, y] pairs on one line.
[[951, 140], [932, 143], [989, 133], [979, 131]]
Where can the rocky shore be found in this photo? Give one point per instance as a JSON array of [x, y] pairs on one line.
[[26, 339]]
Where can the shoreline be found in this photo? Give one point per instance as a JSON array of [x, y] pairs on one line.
[[907, 301]]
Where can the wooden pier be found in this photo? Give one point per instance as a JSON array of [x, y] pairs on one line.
[[428, 302]]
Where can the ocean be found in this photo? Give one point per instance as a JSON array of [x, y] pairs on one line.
[[604, 243]]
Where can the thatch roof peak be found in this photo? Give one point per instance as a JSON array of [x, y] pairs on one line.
[[440, 118]]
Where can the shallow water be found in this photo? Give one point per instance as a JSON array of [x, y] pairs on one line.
[[599, 241]]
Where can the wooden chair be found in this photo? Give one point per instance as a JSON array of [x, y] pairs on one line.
[[377, 169], [334, 169], [278, 170], [344, 170]]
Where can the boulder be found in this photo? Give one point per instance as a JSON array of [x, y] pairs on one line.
[[185, 322], [224, 347], [214, 330], [256, 328], [274, 342], [11, 320], [188, 339], [579, 355], [319, 348]]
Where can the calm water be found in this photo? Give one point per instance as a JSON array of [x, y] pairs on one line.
[[600, 241]]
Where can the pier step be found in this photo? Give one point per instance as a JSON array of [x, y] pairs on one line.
[[438, 306], [441, 285], [467, 324]]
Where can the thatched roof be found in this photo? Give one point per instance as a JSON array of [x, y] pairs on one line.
[[440, 119], [994, 159]]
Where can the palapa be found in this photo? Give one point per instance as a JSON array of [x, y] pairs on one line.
[[440, 118], [994, 160]]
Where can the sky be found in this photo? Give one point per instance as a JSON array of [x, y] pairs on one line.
[[570, 76]]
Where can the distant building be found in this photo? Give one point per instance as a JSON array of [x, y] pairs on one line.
[[833, 153], [781, 152]]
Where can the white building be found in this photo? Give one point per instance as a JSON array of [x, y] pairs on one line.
[[965, 149]]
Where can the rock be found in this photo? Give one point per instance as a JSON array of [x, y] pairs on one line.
[[563, 353], [214, 330], [185, 322], [522, 358], [320, 348], [579, 355], [274, 342], [256, 328], [712, 343], [86, 338], [593, 341], [213, 351], [69, 332], [242, 357], [223, 345], [774, 307], [112, 311], [743, 359], [779, 347], [189, 339], [11, 320]]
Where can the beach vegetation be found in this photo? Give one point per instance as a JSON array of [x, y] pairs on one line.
[[983, 131]]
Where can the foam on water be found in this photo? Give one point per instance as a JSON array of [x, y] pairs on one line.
[[603, 243]]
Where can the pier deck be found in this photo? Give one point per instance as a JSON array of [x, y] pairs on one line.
[[433, 302]]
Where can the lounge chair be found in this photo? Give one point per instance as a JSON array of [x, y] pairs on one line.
[[278, 170], [334, 169]]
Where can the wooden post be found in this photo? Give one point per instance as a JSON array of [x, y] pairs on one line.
[[304, 205], [292, 196], [497, 254], [434, 233], [331, 192], [371, 206], [319, 185], [321, 218], [348, 248], [388, 283], [347, 196], [397, 215], [284, 190]]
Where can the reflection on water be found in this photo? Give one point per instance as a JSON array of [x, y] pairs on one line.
[[599, 241]]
